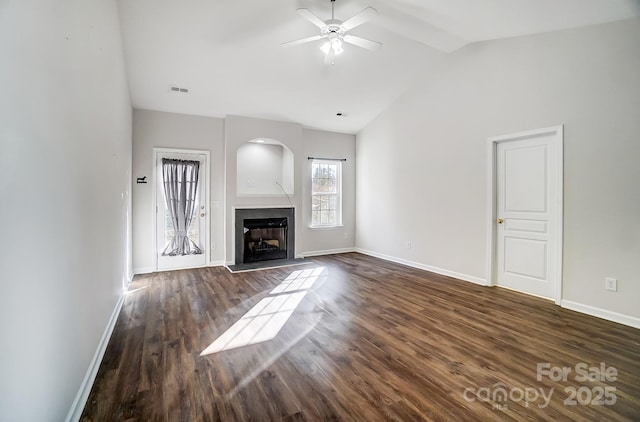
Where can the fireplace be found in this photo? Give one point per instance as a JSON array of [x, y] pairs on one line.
[[265, 239], [264, 234]]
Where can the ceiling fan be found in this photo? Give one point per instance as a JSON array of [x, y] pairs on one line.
[[335, 32]]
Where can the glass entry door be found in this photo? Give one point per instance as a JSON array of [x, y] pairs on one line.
[[181, 210]]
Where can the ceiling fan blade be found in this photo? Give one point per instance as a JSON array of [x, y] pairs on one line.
[[308, 15], [302, 41], [329, 57], [360, 18], [362, 42]]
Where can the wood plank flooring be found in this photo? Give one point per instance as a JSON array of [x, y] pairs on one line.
[[369, 341]]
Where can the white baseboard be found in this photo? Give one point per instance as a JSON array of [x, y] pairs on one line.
[[602, 313], [143, 270], [465, 277], [149, 270], [85, 388], [327, 252]]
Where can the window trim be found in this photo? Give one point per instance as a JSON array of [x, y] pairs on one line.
[[338, 194]]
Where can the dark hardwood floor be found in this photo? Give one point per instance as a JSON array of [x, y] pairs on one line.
[[367, 340]]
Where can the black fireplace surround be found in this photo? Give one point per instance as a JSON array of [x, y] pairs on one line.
[[264, 234]]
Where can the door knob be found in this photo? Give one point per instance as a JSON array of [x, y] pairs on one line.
[[500, 221]]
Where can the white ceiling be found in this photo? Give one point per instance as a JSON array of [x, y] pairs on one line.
[[228, 53]]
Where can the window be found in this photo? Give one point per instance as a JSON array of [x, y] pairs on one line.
[[326, 193]]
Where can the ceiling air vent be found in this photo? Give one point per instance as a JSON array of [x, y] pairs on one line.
[[173, 88]]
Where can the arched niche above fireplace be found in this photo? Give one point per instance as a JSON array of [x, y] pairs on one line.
[[265, 167]]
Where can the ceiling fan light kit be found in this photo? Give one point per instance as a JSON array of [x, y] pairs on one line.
[[334, 44], [334, 32]]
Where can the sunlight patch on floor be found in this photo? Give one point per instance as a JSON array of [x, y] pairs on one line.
[[128, 292], [264, 321]]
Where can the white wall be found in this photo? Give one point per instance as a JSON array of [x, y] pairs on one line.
[[155, 129], [288, 170], [259, 166], [65, 142], [422, 167]]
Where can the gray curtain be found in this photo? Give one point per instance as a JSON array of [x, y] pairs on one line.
[[180, 179]]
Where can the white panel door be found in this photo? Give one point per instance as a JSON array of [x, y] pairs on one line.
[[527, 201], [164, 225]]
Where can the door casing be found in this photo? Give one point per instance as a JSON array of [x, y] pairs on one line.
[[557, 134], [207, 177]]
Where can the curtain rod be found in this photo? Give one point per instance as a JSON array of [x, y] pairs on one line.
[[327, 159]]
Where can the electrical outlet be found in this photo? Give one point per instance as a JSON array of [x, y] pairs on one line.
[[611, 284], [408, 245], [346, 235]]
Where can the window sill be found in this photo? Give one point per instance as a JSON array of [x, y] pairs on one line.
[[339, 226]]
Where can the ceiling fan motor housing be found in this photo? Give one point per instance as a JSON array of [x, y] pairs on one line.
[[334, 26]]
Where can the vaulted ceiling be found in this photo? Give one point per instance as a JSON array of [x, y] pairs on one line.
[[228, 53]]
